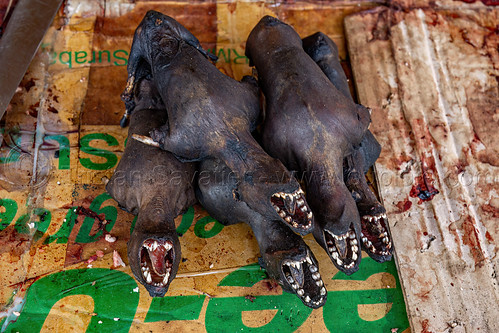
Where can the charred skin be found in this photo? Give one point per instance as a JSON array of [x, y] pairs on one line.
[[311, 126], [155, 186], [284, 254], [211, 116], [375, 237]]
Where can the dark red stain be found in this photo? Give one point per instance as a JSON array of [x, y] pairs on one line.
[[52, 109], [471, 239], [270, 284], [404, 205], [250, 298], [32, 110], [423, 188], [425, 325], [485, 2], [489, 237], [30, 84]]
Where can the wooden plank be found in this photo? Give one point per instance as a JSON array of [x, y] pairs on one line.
[[431, 79]]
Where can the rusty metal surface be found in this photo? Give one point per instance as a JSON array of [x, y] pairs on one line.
[[431, 78]]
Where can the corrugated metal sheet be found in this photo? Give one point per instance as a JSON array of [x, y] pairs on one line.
[[431, 78]]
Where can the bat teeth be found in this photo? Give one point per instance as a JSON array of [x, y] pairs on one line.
[[312, 268], [300, 292]]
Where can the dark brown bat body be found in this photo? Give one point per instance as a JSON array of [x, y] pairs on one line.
[[285, 255], [311, 126], [152, 184], [376, 240], [211, 116]]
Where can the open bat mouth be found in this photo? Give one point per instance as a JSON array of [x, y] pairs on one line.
[[343, 250], [293, 209], [304, 278], [375, 237], [156, 261]]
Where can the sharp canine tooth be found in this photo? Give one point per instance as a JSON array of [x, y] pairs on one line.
[[148, 277], [309, 260], [323, 291]]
